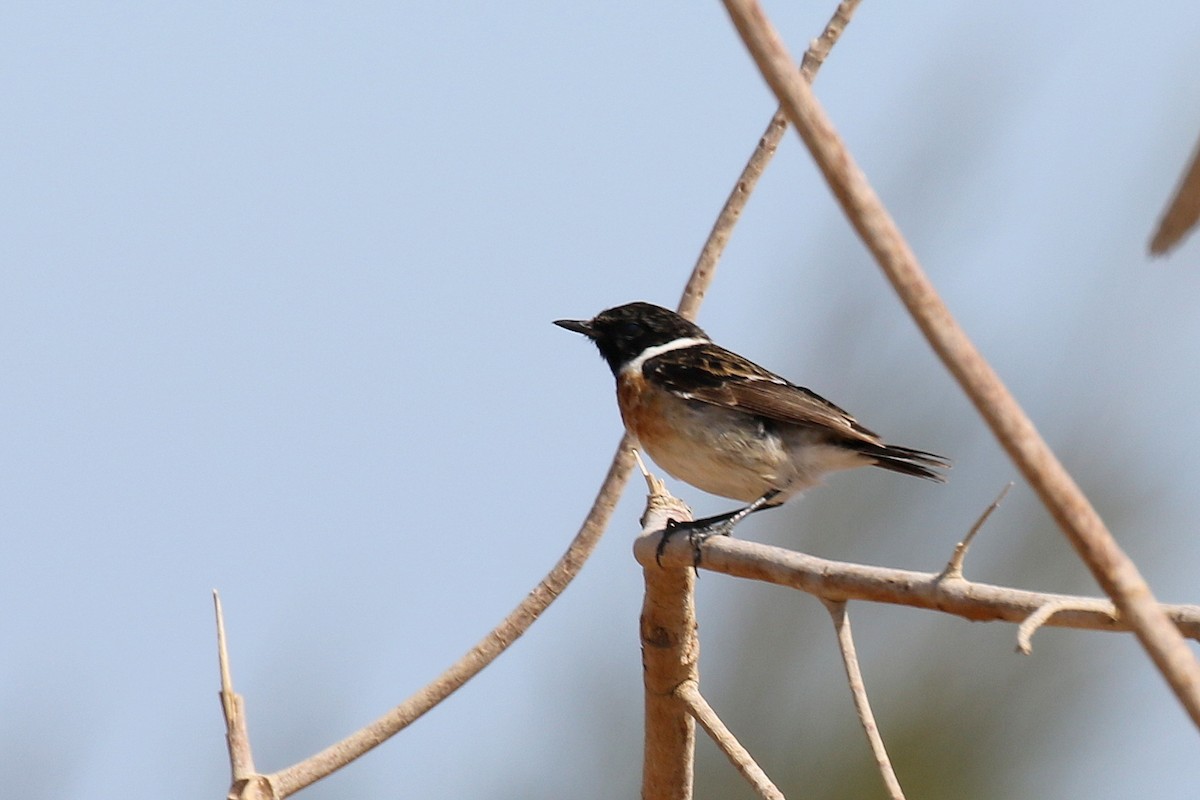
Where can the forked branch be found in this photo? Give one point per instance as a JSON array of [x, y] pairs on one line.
[[841, 580], [670, 656]]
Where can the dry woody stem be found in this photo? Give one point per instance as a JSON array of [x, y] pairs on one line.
[[764, 151], [699, 708], [1076, 517], [670, 655], [858, 690], [840, 580]]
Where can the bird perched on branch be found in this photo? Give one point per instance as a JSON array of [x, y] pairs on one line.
[[724, 424]]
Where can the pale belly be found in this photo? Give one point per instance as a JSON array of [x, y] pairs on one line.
[[723, 452], [733, 454]]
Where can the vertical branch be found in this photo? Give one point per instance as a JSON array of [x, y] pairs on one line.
[[841, 624], [670, 656], [1114, 571], [245, 783], [706, 263], [241, 760]]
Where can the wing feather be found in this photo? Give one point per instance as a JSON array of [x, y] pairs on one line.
[[711, 374]]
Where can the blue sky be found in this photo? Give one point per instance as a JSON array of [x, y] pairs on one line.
[[277, 290]]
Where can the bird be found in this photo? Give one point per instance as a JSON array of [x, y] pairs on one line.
[[726, 425]]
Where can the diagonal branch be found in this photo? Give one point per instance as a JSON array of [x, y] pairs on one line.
[[1114, 571], [738, 755], [954, 567], [764, 151]]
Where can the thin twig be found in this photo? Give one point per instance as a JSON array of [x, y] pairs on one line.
[[741, 759], [1084, 528], [840, 580], [818, 49], [1042, 615], [858, 688], [954, 567], [764, 151]]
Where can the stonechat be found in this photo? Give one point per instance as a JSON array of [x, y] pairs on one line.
[[726, 425]]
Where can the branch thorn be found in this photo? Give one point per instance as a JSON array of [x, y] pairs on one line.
[[954, 567]]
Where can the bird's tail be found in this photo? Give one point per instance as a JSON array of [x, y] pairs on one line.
[[907, 461]]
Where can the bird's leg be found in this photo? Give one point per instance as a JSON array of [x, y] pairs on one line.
[[721, 525]]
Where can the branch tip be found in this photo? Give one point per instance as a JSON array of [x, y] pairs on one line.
[[1042, 614], [654, 484], [954, 567], [222, 649]]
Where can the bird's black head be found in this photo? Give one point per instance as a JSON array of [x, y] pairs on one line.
[[624, 332]]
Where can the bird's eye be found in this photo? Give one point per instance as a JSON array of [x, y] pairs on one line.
[[629, 330]]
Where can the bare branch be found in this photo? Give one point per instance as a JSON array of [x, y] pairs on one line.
[[841, 624], [1182, 212], [818, 49], [954, 567], [1087, 533], [706, 263], [741, 759], [840, 580], [670, 655]]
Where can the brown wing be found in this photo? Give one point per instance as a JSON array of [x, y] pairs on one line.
[[711, 374]]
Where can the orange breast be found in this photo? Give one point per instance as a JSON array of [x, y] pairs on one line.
[[642, 411], [719, 450]]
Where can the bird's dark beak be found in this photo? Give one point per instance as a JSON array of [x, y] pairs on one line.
[[583, 326]]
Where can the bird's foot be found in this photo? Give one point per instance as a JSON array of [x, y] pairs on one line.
[[698, 532]]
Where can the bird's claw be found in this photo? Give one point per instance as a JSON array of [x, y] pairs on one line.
[[698, 532]]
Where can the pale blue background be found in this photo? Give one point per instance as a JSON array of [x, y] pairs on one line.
[[275, 318]]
